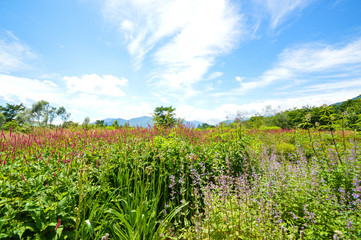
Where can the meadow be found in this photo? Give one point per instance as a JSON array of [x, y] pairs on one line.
[[180, 183]]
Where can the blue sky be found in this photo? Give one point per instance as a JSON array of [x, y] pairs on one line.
[[207, 58]]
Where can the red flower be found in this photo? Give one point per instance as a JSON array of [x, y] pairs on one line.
[[58, 225]]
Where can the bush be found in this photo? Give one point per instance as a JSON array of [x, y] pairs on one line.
[[285, 149], [269, 128]]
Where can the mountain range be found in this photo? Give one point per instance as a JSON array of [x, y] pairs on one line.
[[144, 121]]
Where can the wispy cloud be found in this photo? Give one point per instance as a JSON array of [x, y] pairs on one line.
[[310, 63], [355, 83], [95, 84], [280, 10], [214, 75], [13, 54], [321, 57], [183, 37]]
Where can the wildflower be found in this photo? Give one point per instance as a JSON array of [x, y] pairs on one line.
[[58, 225], [105, 237], [349, 224], [294, 215], [172, 179], [338, 233]]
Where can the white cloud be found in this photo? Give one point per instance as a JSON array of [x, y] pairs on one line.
[[239, 79], [215, 75], [164, 100], [356, 83], [280, 10], [94, 84], [80, 103], [127, 110], [310, 62], [318, 57], [184, 36], [13, 54], [26, 89]]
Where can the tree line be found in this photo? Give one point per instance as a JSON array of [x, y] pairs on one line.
[[346, 115], [41, 114]]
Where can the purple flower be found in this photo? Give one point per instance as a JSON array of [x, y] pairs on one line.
[[349, 224], [105, 237]]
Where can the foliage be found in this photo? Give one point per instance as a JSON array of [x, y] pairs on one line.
[[164, 116], [40, 114], [100, 123], [205, 126], [225, 182], [86, 123], [2, 120], [347, 113], [115, 124], [11, 110]]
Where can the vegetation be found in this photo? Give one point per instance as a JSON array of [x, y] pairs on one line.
[[19, 118], [349, 112], [226, 182], [164, 116]]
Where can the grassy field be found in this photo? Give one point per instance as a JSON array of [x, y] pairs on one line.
[[180, 183]]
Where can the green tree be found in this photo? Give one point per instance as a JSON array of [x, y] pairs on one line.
[[115, 124], [99, 123], [164, 116], [63, 114], [40, 110], [280, 120], [2, 120], [11, 110], [256, 121], [25, 117], [52, 114], [205, 126], [86, 123]]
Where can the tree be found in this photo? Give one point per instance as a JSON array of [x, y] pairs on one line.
[[256, 121], [62, 113], [40, 110], [99, 123], [11, 110], [115, 124], [86, 123], [205, 126], [25, 117], [2, 119], [52, 114], [164, 116]]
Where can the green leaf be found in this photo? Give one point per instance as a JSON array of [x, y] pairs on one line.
[[90, 228]]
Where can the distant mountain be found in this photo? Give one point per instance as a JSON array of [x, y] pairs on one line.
[[339, 103], [139, 121], [144, 121], [109, 121], [227, 122], [192, 123]]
